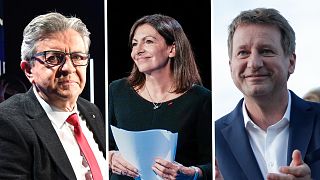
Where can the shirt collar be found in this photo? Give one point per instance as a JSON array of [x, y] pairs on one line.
[[248, 121], [56, 115]]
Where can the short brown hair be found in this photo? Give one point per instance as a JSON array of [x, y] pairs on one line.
[[264, 16]]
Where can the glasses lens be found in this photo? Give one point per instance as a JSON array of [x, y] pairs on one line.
[[80, 59], [54, 58]]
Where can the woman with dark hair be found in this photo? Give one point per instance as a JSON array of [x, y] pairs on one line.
[[163, 91]]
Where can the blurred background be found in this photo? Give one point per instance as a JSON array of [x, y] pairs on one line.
[[303, 16]]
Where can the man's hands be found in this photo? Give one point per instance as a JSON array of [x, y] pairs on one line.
[[297, 169]]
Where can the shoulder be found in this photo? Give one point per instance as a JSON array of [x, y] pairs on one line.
[[227, 119], [15, 103], [222, 121], [197, 97], [119, 83], [17, 112], [200, 91], [119, 88], [85, 103], [299, 103], [88, 109]]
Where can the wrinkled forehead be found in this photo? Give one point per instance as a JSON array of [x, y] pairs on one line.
[[66, 41], [253, 34]]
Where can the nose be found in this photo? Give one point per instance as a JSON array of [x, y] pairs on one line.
[[138, 49], [68, 65], [255, 61]]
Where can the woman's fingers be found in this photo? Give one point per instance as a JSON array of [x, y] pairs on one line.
[[122, 167]]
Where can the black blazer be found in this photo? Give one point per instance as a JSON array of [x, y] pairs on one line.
[[29, 145], [233, 150]]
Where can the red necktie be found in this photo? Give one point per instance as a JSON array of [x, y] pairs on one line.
[[85, 148]]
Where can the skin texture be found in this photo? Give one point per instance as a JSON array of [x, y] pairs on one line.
[[259, 66], [59, 85]]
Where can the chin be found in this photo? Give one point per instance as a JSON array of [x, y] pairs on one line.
[[255, 92], [70, 93], [258, 93]]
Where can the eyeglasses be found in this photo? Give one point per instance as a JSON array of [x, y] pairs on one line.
[[57, 58]]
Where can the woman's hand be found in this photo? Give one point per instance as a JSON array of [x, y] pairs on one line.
[[120, 166], [174, 170]]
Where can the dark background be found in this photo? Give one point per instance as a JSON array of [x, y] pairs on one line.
[[193, 16], [18, 13]]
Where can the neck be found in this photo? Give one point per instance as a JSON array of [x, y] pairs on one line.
[[60, 103], [157, 89], [266, 111]]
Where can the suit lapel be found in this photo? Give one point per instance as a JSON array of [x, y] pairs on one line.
[[301, 122], [237, 138], [48, 136], [94, 123]]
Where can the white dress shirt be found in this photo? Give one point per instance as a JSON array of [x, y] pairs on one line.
[[65, 133], [269, 147]]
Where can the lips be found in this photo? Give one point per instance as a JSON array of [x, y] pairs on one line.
[[255, 75], [141, 58], [67, 82]]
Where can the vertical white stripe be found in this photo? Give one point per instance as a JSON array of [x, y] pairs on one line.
[[106, 78], [91, 65]]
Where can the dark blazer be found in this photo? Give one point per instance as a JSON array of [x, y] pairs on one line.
[[29, 145], [233, 151]]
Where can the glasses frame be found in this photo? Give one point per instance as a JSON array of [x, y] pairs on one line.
[[44, 54]]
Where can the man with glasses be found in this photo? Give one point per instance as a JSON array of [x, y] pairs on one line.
[[50, 132]]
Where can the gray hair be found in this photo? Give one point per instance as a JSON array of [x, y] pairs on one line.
[[265, 16], [44, 25]]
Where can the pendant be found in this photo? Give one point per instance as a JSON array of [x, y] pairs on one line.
[[155, 107]]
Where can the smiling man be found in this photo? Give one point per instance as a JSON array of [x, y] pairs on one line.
[[50, 132], [272, 133]]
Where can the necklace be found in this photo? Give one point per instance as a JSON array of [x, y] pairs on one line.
[[156, 105]]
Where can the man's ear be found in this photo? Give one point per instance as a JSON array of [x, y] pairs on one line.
[[26, 68], [23, 65], [292, 63]]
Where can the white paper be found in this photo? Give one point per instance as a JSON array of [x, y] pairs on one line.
[[140, 148]]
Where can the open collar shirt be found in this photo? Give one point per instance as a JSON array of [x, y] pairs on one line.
[[269, 147]]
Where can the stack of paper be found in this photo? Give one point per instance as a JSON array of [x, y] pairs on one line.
[[140, 148]]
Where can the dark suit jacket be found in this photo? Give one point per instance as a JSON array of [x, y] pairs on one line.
[[233, 151], [29, 145]]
